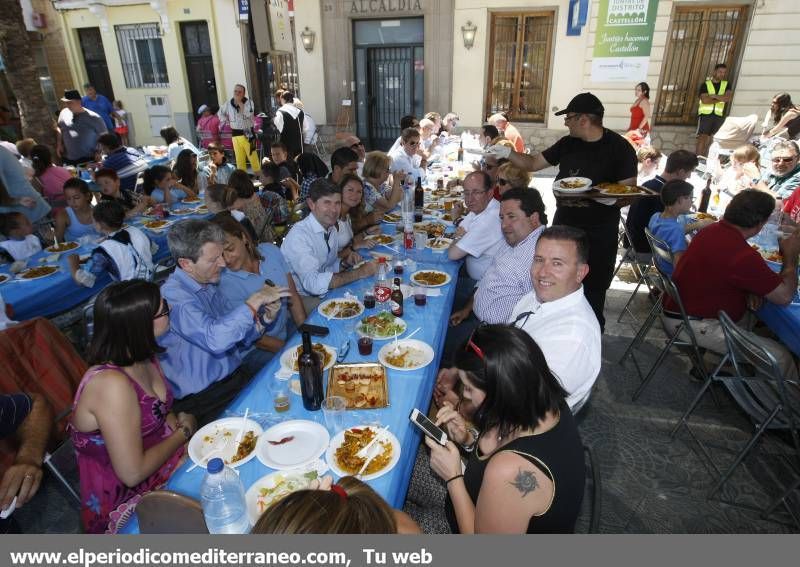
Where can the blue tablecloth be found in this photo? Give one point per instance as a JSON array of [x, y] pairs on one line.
[[783, 320], [407, 390]]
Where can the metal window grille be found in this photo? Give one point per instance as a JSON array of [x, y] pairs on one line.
[[142, 56], [519, 65], [280, 73], [698, 39]]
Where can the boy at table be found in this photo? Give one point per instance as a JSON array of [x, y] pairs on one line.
[[134, 203], [721, 272], [21, 243]]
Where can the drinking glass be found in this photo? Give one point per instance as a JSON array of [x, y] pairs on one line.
[[333, 408], [420, 296]]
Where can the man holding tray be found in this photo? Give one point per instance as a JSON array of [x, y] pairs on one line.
[[592, 151]]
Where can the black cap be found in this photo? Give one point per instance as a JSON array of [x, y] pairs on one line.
[[71, 95], [584, 103]]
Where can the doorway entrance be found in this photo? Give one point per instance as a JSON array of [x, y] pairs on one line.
[[94, 59], [389, 67], [199, 64]]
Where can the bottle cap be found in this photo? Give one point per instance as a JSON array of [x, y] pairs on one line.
[[215, 465]]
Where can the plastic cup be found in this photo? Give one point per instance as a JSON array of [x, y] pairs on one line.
[[420, 296], [281, 401], [420, 240], [365, 346], [369, 299], [333, 408]]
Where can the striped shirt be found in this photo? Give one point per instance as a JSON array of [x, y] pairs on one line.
[[127, 162], [14, 408], [240, 118], [507, 279]]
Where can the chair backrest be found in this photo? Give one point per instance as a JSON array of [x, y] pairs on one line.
[[661, 250], [167, 512]]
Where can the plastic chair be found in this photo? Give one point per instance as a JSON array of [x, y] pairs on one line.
[[759, 389], [167, 512]]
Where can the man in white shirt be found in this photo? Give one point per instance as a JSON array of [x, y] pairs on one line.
[[406, 157], [479, 235], [556, 315], [289, 122], [311, 247], [355, 144], [239, 113]]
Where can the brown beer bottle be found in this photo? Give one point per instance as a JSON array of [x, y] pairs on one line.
[[396, 300]]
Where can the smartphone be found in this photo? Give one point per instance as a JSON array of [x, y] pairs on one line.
[[428, 427]]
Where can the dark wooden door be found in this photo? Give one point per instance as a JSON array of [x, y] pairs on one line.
[[94, 59], [199, 64], [390, 92]]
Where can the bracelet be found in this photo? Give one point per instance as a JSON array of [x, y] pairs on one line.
[[471, 447], [448, 481]]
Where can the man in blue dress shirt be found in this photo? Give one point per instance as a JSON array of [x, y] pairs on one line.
[[208, 337], [99, 104]]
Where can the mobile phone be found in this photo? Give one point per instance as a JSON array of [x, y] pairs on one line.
[[428, 427], [316, 330]]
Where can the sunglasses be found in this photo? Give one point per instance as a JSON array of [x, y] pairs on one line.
[[783, 159], [164, 310], [501, 181], [475, 348]]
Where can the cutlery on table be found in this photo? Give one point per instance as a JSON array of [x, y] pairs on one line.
[[363, 451], [211, 454], [244, 426]]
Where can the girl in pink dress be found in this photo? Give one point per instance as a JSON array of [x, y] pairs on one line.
[[50, 177], [126, 440]]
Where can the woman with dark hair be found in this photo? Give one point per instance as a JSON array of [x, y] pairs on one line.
[[175, 143], [641, 111], [185, 170], [51, 177], [126, 440], [218, 170], [312, 167], [353, 219], [76, 221], [525, 472], [347, 507], [247, 266], [785, 116], [220, 198], [161, 186], [247, 201]]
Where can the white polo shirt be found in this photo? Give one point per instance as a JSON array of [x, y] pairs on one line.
[[311, 258], [482, 240], [568, 333], [401, 161]]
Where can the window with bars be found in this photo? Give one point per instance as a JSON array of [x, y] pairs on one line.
[[519, 64], [142, 56], [699, 38]]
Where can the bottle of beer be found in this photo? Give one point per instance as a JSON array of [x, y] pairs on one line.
[[461, 152], [397, 299], [705, 197], [310, 368], [419, 200]]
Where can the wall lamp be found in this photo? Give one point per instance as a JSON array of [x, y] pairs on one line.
[[308, 37], [468, 31]]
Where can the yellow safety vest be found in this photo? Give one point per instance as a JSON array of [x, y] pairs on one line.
[[717, 108]]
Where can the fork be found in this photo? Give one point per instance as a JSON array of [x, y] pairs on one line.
[[363, 452]]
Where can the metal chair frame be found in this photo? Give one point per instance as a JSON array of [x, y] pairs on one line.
[[769, 400], [639, 267]]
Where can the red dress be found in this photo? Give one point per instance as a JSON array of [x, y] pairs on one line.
[[637, 115]]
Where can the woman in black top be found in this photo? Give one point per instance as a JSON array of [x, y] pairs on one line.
[[525, 473]]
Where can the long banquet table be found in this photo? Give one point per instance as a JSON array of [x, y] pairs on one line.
[[407, 390], [783, 320]]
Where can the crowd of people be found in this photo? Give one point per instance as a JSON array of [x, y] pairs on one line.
[[523, 347]]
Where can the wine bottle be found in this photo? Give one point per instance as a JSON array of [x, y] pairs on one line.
[[705, 197], [310, 368]]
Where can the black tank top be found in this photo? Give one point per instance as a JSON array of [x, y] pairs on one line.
[[793, 127], [292, 133], [558, 453]]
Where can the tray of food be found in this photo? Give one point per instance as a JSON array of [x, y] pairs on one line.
[[602, 191], [62, 247], [363, 385]]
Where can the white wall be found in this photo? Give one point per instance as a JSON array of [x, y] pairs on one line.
[[310, 66], [229, 58]]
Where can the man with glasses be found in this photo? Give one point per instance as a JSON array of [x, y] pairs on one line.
[[592, 151], [355, 144], [406, 157], [785, 175]]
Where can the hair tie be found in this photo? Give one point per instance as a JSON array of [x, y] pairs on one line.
[[340, 491]]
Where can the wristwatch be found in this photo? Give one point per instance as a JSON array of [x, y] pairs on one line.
[[474, 432]]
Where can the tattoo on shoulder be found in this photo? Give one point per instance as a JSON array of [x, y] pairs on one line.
[[525, 482]]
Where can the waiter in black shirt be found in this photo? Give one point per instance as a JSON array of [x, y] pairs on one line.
[[592, 151]]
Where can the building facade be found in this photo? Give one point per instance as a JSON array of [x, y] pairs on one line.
[[522, 59]]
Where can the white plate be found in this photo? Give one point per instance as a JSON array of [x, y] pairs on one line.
[[183, 211], [393, 218], [336, 442], [443, 242], [445, 282], [20, 278], [558, 187], [294, 479], [424, 358], [309, 442], [384, 239], [340, 299], [286, 358], [397, 320], [215, 435], [620, 195], [159, 229], [72, 246]]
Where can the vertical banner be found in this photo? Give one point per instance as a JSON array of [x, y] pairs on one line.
[[623, 40], [244, 9]]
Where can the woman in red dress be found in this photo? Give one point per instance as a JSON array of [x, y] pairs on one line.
[[641, 111]]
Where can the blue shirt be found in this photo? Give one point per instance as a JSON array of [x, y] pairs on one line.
[[238, 286], [102, 106], [127, 162], [77, 229], [177, 195], [206, 337], [14, 408], [671, 232], [17, 186]]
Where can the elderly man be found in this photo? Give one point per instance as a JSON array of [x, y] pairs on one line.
[[592, 151], [522, 220], [208, 336], [239, 112], [311, 249], [127, 162], [78, 130], [721, 272], [508, 131], [406, 157], [556, 315], [99, 104], [289, 122], [354, 143], [785, 175]]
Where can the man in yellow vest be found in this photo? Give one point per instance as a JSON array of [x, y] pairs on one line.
[[714, 95]]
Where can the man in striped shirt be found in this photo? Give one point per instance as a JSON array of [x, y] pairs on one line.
[[127, 162], [507, 279]]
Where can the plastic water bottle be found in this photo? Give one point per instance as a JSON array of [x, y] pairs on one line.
[[222, 497]]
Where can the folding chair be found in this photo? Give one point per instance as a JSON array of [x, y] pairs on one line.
[[760, 390], [639, 263], [167, 512], [317, 142]]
